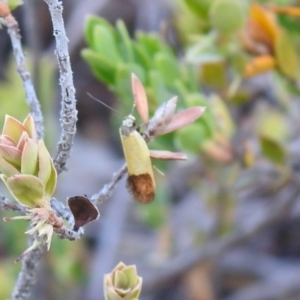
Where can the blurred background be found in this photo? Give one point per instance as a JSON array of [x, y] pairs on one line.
[[225, 224]]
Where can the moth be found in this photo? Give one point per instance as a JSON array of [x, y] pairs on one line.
[[140, 181]]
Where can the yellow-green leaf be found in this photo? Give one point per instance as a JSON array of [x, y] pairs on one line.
[[30, 127], [7, 168], [29, 164], [227, 16], [11, 154], [13, 128], [47, 172], [286, 56], [273, 150], [28, 190]]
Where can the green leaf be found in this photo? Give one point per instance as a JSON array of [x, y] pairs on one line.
[[11, 154], [120, 280], [29, 164], [13, 128], [47, 172], [273, 124], [7, 168], [141, 56], [51, 184], [207, 119], [286, 55], [290, 23], [190, 79], [131, 275], [168, 67], [28, 190], [126, 47], [90, 24], [213, 74], [123, 78], [111, 294], [30, 127], [273, 150], [13, 4], [158, 90], [199, 7], [152, 43], [105, 44], [227, 16], [103, 68], [222, 116], [191, 138]]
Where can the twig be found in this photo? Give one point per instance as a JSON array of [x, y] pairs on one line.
[[77, 18], [6, 204], [106, 191], [27, 276], [62, 211], [66, 233], [104, 194], [182, 262], [68, 102], [13, 30]]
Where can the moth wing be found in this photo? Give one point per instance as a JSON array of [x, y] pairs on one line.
[[140, 173], [136, 154]]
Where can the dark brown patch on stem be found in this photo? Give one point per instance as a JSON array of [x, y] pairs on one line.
[[142, 187]]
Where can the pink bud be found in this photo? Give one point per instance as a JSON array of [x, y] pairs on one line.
[[167, 155], [140, 98], [184, 118]]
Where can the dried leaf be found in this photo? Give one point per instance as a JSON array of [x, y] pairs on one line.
[[264, 20], [83, 210], [259, 65]]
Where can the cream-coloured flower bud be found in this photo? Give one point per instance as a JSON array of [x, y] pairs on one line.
[[122, 283]]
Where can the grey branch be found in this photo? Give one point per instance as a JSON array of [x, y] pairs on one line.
[[31, 98], [65, 233], [6, 204], [62, 211], [68, 102], [27, 276], [107, 190]]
